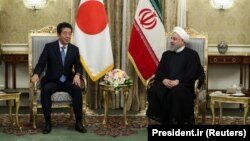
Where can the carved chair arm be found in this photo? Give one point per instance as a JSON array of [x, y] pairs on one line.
[[150, 82], [35, 87], [33, 91], [84, 85]]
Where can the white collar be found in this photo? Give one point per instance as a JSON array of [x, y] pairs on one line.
[[180, 49], [61, 45]]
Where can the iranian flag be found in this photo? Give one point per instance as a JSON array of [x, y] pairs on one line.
[[92, 37], [147, 40]]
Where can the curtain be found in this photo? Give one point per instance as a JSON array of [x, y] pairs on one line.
[[121, 16], [182, 14]]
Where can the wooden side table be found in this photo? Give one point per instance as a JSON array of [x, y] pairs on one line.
[[13, 59], [243, 60], [108, 89], [229, 99], [10, 97]]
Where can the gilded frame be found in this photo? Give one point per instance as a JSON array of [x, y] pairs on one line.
[[45, 31]]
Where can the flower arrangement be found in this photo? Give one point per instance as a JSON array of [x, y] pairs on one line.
[[117, 78]]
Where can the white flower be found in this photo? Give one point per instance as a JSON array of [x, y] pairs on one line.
[[116, 78]]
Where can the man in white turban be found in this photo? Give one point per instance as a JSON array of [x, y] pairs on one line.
[[181, 34], [171, 98]]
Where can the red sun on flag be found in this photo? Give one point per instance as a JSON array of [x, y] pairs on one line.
[[147, 18], [91, 17]]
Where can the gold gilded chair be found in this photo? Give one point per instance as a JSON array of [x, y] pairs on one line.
[[37, 41], [199, 43]]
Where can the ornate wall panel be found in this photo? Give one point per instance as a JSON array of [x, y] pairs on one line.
[[232, 25], [16, 20]]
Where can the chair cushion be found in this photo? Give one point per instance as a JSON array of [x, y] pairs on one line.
[[202, 96], [57, 96]]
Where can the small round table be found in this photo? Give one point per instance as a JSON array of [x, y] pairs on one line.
[[109, 89], [10, 97]]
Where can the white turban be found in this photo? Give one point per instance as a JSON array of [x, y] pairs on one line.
[[182, 33]]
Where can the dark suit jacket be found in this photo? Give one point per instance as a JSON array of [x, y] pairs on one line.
[[51, 61]]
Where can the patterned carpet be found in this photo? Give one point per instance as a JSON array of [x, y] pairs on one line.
[[226, 120], [115, 126]]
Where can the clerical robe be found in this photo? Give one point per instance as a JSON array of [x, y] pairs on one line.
[[175, 105]]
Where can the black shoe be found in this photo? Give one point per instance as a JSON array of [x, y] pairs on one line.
[[190, 120], [47, 128], [80, 128]]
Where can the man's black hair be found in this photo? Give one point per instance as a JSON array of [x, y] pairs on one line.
[[63, 25]]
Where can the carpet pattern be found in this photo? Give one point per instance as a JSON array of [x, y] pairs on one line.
[[115, 126], [225, 120]]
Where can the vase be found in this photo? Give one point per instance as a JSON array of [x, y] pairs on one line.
[[222, 47]]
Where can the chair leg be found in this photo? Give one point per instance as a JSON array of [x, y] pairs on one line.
[[71, 111], [84, 122], [203, 113], [196, 111], [196, 120], [34, 109], [31, 113], [147, 121], [84, 109]]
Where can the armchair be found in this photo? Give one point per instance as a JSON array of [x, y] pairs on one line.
[[198, 42], [37, 41]]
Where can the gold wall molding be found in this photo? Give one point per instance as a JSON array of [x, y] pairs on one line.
[[47, 29]]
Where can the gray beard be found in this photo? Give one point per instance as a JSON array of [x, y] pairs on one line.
[[174, 48]]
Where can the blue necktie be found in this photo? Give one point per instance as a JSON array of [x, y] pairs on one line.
[[63, 78]]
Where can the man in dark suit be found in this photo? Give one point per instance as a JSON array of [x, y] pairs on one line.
[[60, 58]]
